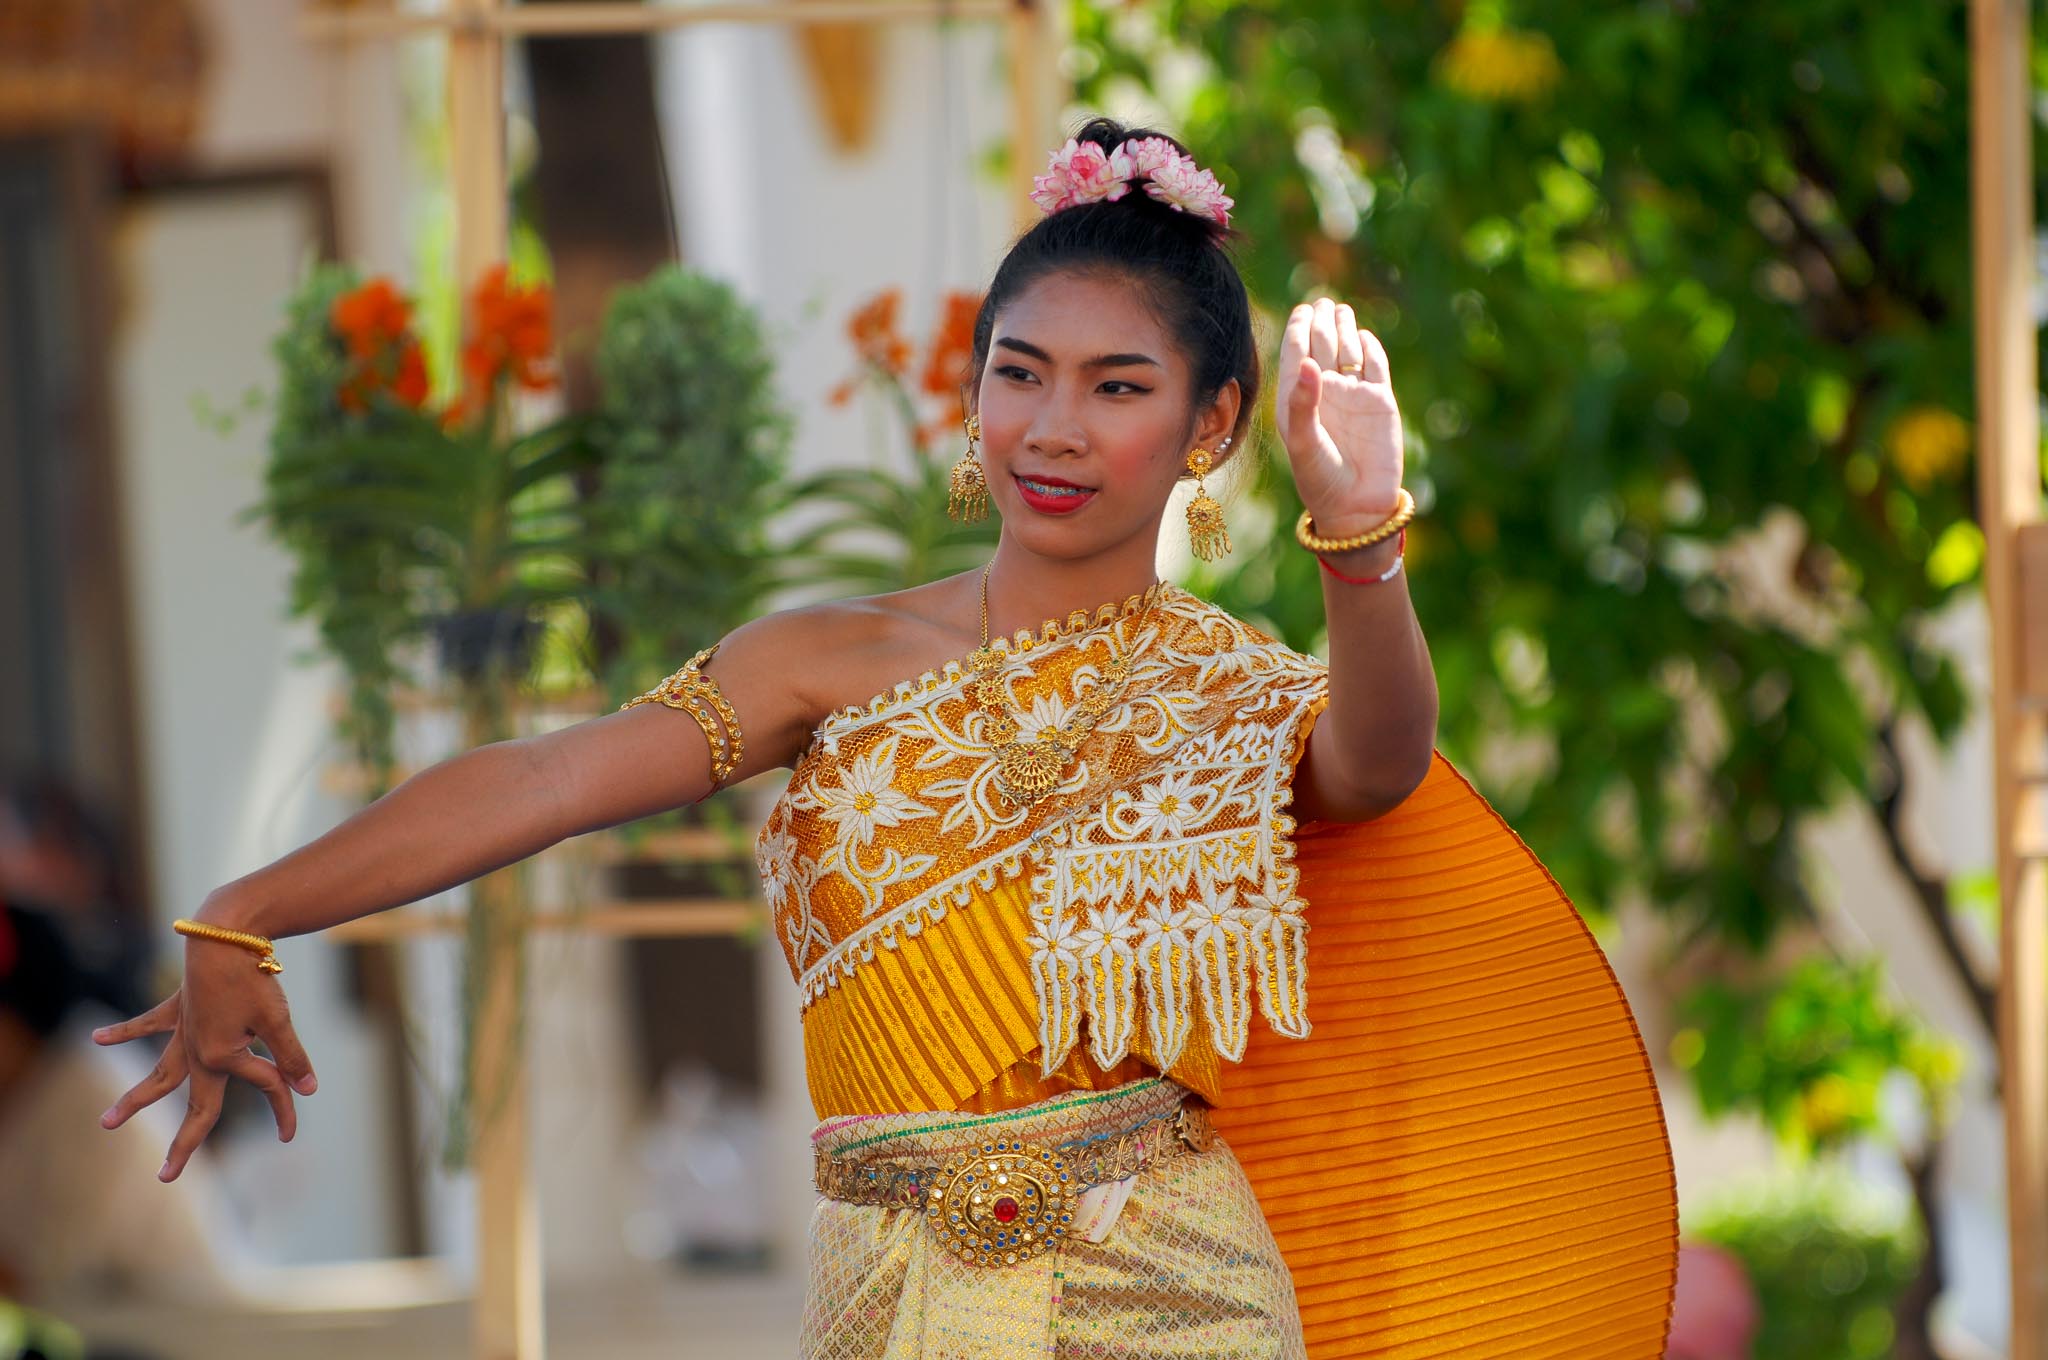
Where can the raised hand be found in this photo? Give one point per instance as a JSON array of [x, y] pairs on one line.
[[224, 1003], [1342, 428]]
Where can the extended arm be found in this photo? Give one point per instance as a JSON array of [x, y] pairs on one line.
[[446, 825]]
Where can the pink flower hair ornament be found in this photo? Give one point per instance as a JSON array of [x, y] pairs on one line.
[[1082, 172]]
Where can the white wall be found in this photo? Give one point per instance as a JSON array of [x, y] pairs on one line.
[[234, 733]]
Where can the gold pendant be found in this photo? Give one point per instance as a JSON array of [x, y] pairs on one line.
[[1032, 769]]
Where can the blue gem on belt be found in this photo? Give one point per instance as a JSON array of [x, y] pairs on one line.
[[1006, 1203]]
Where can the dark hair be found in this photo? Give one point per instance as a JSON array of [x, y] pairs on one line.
[[1177, 259]]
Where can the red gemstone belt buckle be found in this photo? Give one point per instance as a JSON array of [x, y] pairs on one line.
[[1007, 1202]]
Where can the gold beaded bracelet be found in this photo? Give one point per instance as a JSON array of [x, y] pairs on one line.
[[1404, 511], [256, 944]]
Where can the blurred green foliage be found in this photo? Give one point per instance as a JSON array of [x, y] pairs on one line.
[[1826, 1255], [1811, 1053], [693, 440], [1653, 278], [26, 1334], [643, 521]]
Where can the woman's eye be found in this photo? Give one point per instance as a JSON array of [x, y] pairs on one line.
[[1121, 388]]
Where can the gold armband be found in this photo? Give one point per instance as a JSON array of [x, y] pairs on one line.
[[256, 944], [698, 695]]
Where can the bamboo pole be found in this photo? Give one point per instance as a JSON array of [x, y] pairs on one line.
[[506, 1320], [669, 918], [1027, 104], [570, 20], [2009, 486]]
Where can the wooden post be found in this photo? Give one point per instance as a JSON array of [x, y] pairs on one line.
[[2009, 486], [476, 137], [506, 1322], [1027, 105]]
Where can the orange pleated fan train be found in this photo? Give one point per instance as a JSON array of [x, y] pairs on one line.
[[1466, 1156]]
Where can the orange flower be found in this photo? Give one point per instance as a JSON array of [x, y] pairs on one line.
[[409, 384], [373, 323], [512, 333], [371, 318], [874, 333], [952, 345]]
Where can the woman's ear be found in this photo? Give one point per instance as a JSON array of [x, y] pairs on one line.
[[1218, 420]]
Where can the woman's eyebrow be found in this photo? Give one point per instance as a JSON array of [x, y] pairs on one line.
[[1099, 361]]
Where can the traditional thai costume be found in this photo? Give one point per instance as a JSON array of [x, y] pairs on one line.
[[1026, 1022]]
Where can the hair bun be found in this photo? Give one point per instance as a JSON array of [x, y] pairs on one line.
[[1106, 162]]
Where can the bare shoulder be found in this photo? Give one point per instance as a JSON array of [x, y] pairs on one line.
[[806, 663]]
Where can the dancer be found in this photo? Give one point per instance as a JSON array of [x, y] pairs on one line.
[[1033, 893]]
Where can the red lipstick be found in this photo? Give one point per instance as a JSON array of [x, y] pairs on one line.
[[1051, 502]]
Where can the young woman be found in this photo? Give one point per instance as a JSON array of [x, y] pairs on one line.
[[1036, 865]]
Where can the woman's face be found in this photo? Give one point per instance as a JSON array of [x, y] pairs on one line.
[[1084, 403]]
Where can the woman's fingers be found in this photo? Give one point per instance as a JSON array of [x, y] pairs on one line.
[[1377, 368], [158, 1019], [1294, 339], [284, 1045], [263, 1073], [204, 1093], [1323, 333], [1350, 349], [161, 1081]]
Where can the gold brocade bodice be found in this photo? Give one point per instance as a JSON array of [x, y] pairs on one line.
[[957, 950]]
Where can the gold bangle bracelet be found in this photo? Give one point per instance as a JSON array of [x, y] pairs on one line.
[[1404, 511], [698, 695], [256, 944]]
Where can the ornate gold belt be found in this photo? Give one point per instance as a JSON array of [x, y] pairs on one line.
[[1009, 1199]]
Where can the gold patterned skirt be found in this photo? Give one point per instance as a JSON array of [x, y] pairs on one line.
[[1188, 1269]]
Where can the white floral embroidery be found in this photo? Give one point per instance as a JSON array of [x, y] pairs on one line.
[[867, 797], [1172, 806], [1055, 967], [1046, 713], [1165, 969], [1160, 875]]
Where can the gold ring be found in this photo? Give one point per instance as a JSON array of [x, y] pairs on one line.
[[1351, 368], [1007, 1203]]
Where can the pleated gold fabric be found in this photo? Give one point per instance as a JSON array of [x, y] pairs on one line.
[[1188, 1271], [1467, 1157]]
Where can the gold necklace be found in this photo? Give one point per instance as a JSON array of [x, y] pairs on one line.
[[1032, 769]]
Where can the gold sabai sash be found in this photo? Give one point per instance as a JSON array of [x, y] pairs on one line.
[[941, 932]]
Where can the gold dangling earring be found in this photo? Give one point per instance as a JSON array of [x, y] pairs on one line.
[[967, 488], [1206, 532]]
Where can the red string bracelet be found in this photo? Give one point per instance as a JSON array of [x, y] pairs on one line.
[[1400, 549]]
